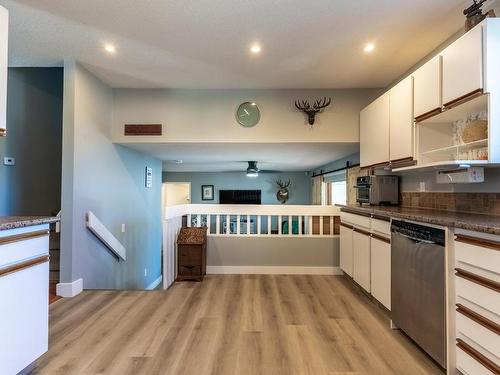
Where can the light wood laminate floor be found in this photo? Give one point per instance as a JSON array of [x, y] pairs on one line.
[[229, 325]]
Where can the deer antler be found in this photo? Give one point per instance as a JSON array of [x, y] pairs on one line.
[[322, 103], [287, 184], [302, 105], [280, 183]]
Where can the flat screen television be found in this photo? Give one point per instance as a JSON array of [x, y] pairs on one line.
[[239, 196]]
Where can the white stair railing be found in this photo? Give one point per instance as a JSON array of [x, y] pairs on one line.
[[105, 236]]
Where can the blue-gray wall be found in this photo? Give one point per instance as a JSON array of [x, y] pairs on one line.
[[108, 180], [300, 189], [337, 164], [34, 126]]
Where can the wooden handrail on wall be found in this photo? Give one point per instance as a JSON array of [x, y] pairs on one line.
[[105, 236]]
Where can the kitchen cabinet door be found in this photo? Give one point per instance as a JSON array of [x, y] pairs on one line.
[[25, 317], [4, 33], [361, 259], [427, 87], [374, 132], [346, 249], [380, 270], [463, 66], [401, 133]]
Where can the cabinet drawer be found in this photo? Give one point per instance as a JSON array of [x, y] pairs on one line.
[[486, 335], [190, 256], [470, 362], [188, 270], [477, 293], [359, 220], [478, 252], [23, 243], [381, 226]]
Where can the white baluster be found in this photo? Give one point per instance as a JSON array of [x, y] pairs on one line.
[[209, 218], [279, 224], [228, 225], [310, 229], [299, 218], [189, 220], [217, 224], [331, 225], [321, 225], [248, 225], [198, 220], [269, 220], [238, 224], [258, 225], [290, 226]]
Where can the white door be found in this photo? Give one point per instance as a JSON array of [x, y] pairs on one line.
[[346, 249], [401, 120], [381, 271], [463, 66], [361, 259], [4, 36], [374, 132], [427, 87]]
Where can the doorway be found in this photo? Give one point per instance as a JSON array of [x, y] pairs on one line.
[[176, 193]]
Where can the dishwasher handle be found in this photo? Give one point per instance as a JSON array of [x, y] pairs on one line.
[[416, 240]]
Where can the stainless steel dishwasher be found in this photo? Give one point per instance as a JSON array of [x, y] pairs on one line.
[[418, 286]]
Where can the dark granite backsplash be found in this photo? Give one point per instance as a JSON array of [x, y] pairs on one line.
[[481, 203]]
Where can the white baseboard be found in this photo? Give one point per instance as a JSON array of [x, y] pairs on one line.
[[155, 283], [272, 270], [69, 289]]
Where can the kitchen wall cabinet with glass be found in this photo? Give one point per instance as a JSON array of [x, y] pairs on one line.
[[4, 34]]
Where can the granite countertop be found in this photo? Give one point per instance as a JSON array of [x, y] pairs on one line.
[[13, 222], [463, 220]]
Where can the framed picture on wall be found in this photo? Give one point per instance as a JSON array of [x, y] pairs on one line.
[[207, 192]]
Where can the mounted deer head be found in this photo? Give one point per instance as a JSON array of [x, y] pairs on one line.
[[318, 106], [282, 194]]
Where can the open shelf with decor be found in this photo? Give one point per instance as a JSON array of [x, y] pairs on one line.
[[456, 136]]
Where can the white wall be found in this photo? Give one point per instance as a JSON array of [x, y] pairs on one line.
[[108, 180], [209, 115]]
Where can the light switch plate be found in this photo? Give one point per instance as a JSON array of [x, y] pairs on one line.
[[9, 160]]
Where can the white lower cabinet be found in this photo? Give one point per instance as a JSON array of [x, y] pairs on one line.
[[24, 291], [346, 249], [477, 297], [380, 249], [361, 258]]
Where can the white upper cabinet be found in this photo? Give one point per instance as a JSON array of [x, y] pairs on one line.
[[401, 120], [427, 87], [463, 66], [374, 132], [4, 33]]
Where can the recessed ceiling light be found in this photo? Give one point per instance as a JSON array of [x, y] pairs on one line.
[[369, 47], [255, 49], [109, 48]]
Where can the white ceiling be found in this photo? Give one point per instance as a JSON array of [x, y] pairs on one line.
[[204, 43], [232, 157]]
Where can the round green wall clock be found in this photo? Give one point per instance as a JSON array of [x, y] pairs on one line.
[[248, 114]]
